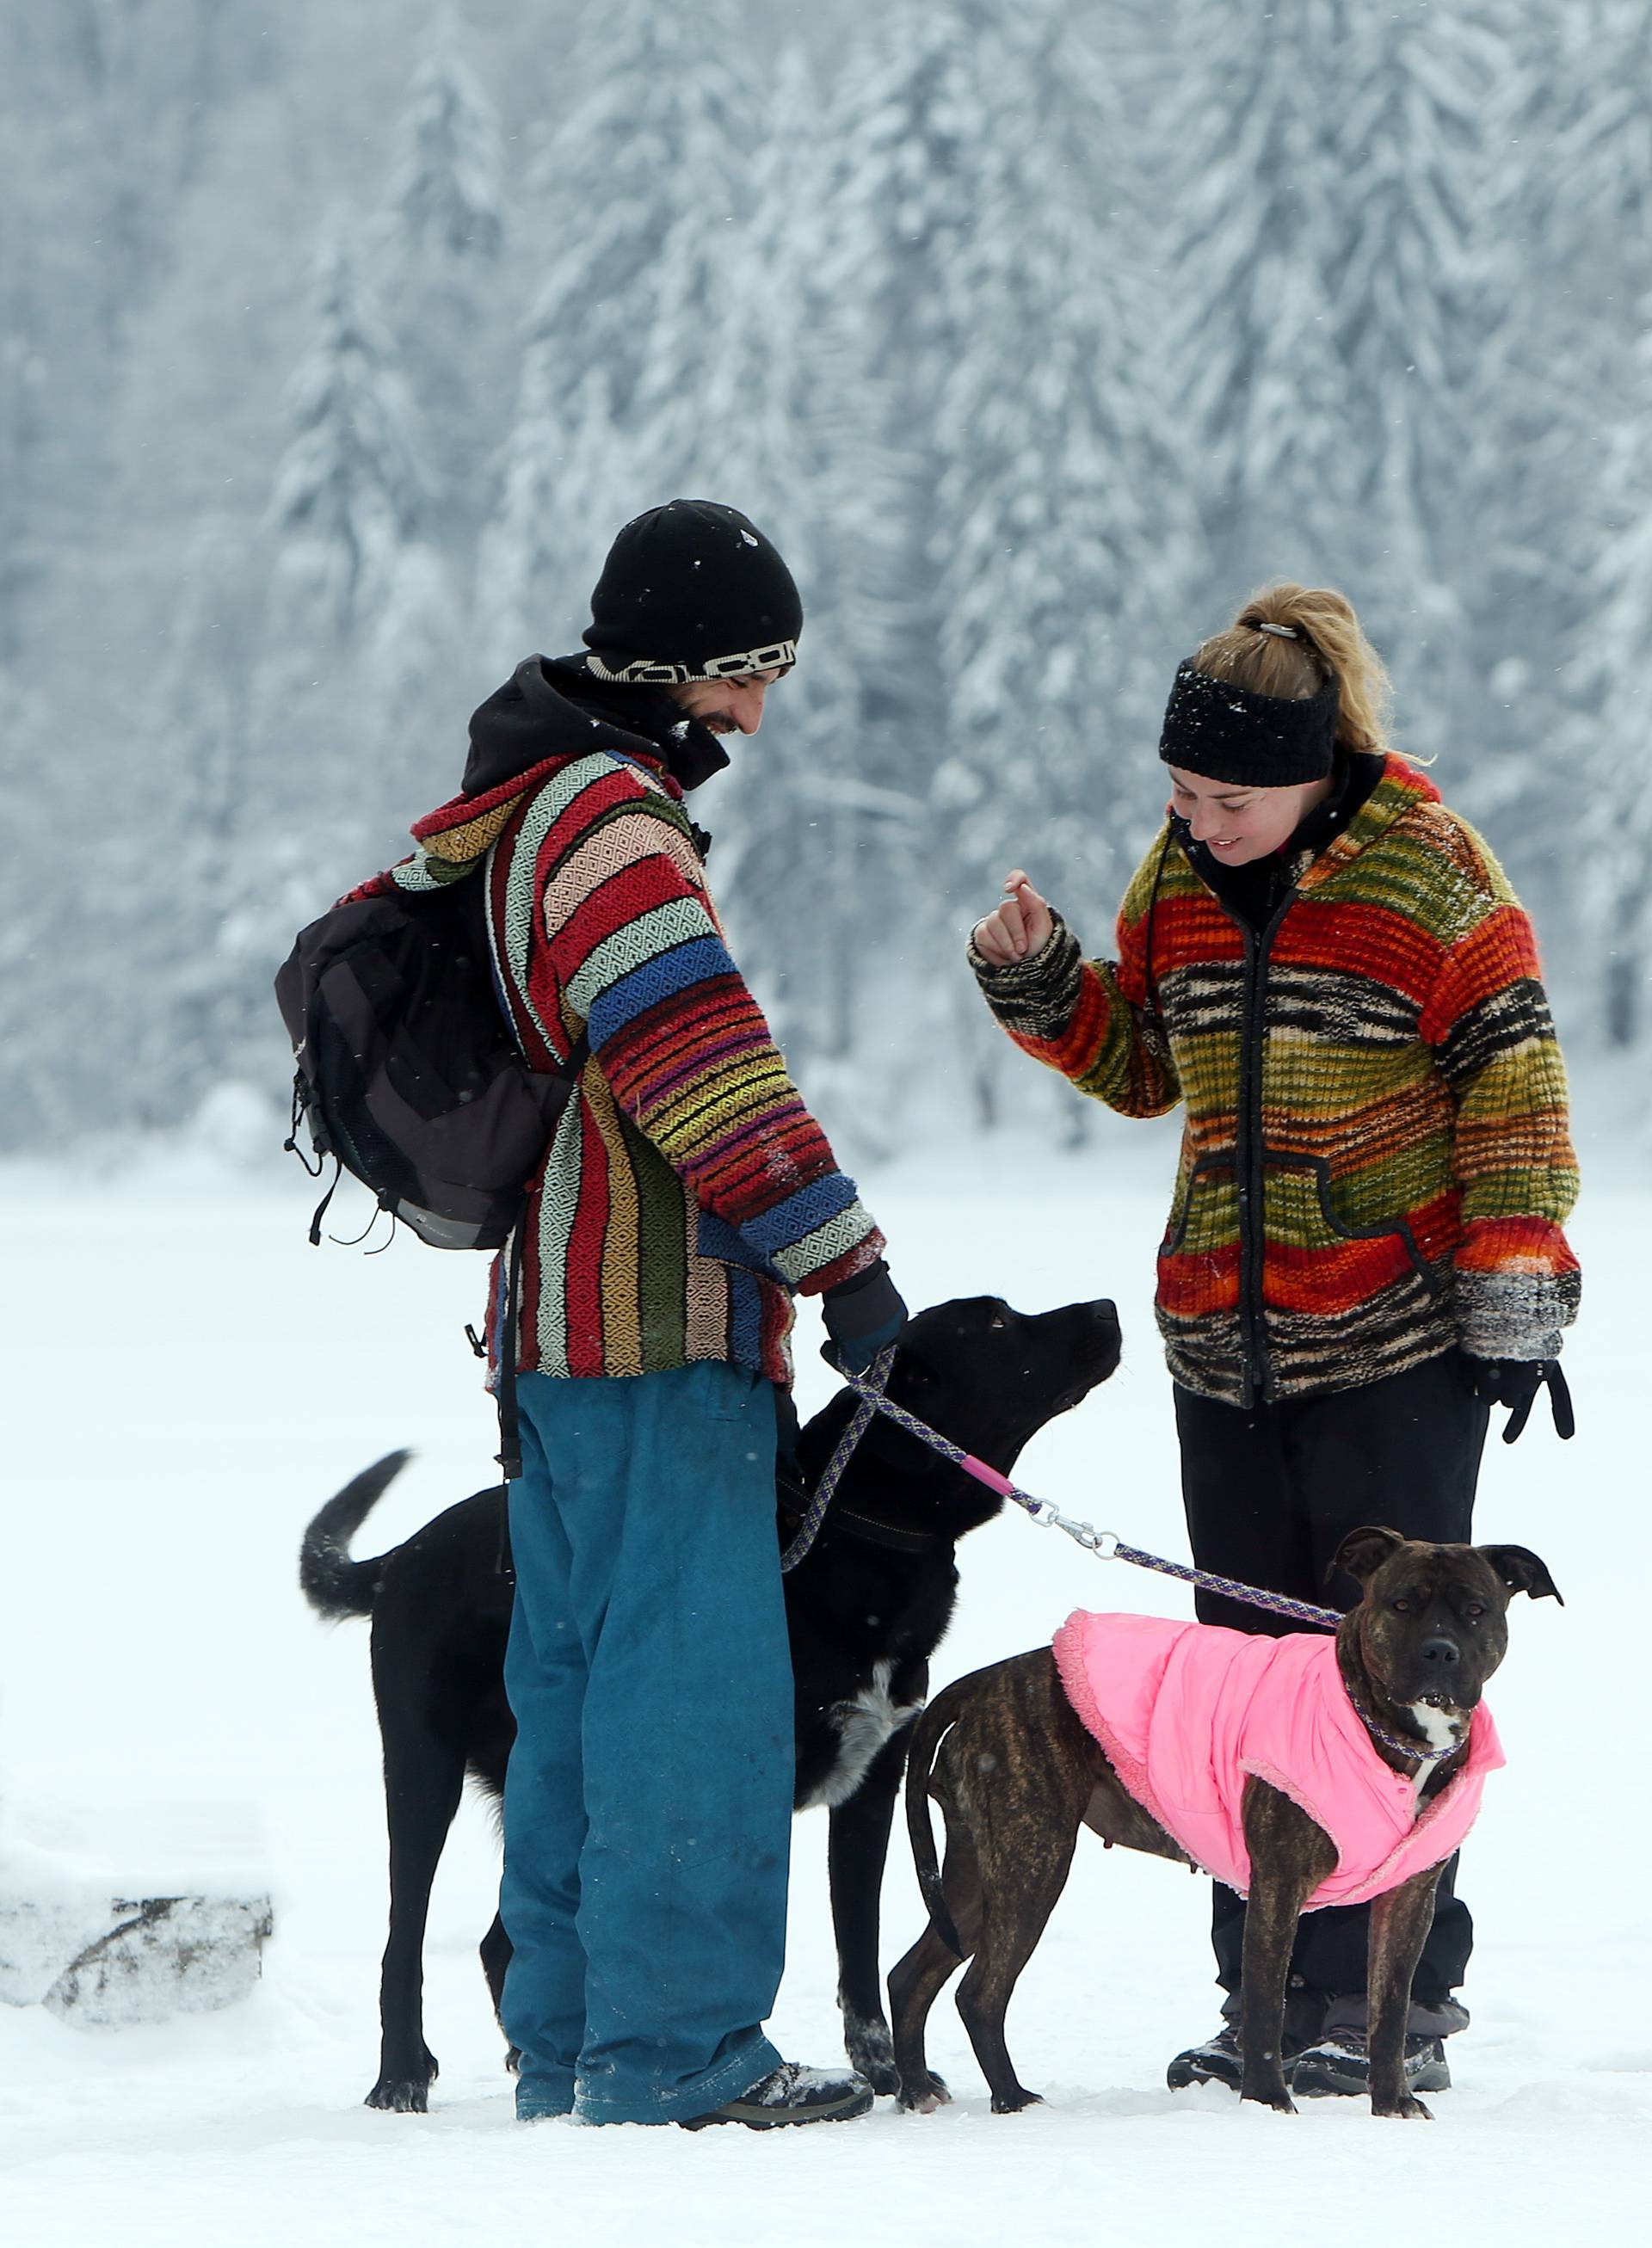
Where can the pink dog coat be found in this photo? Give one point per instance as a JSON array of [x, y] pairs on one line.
[[1188, 1711]]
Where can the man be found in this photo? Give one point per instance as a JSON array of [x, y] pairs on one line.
[[686, 1195]]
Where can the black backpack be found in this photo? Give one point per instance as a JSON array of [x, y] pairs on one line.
[[409, 1075], [409, 1078]]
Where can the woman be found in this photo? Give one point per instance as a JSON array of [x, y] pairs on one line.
[[1329, 970]]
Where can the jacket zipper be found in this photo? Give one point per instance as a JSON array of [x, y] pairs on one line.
[[1248, 1156]]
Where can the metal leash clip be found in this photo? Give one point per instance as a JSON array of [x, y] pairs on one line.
[[1104, 1544]]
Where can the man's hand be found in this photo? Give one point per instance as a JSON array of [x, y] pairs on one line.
[[786, 1433], [1020, 927], [1515, 1382], [863, 1316]]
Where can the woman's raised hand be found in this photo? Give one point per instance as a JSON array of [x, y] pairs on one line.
[[1020, 927]]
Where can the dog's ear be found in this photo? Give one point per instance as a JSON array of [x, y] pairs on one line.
[[1522, 1572], [1363, 1552]]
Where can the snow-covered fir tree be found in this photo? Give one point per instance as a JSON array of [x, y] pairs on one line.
[[1561, 243], [189, 934], [1063, 535], [807, 826], [351, 491], [1605, 242], [1408, 252], [639, 199], [908, 127], [1029, 551], [1602, 782], [440, 242], [444, 193], [1327, 161], [643, 192], [553, 520], [1608, 151], [351, 714]]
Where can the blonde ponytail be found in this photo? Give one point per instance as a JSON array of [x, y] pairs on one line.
[[1315, 636]]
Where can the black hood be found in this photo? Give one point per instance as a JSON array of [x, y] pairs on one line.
[[552, 707], [1254, 890]]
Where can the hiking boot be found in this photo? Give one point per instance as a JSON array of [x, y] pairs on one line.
[[792, 2094], [1220, 2060], [1341, 2062]]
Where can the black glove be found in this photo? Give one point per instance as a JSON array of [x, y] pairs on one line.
[[1515, 1382], [863, 1316], [786, 1437]]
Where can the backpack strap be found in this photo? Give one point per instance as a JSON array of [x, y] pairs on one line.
[[509, 1452]]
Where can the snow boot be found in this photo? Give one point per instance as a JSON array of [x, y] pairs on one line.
[[1220, 2060], [792, 2094], [1340, 2062]]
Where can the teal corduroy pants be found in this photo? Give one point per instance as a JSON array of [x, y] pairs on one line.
[[648, 1803]]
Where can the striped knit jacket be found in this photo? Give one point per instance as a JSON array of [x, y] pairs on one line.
[[687, 1191], [1376, 1164]]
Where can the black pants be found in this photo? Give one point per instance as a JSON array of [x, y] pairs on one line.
[[1270, 1494]]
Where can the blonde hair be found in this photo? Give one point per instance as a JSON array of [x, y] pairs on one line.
[[1327, 644]]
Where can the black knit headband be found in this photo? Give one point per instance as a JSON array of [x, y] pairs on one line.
[[1233, 734]]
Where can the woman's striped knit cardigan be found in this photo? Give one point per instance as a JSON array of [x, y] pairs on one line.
[[688, 1190], [1376, 1164]]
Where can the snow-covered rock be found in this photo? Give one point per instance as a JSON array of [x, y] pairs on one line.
[[122, 1917], [161, 1956]]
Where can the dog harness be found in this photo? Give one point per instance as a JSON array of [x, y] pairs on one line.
[[1187, 1712]]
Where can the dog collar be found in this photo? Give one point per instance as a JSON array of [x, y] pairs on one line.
[[867, 1527], [1420, 1753]]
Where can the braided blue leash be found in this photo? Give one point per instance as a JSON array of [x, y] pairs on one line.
[[1105, 1544]]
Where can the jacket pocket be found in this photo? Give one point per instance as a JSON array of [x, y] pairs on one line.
[[1318, 1170], [727, 1391], [1194, 1187]]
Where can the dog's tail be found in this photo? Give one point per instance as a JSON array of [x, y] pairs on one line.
[[334, 1584], [936, 1721]]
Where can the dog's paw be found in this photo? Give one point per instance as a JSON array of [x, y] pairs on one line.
[[1011, 2103], [403, 2096], [1407, 2107], [405, 2092], [925, 2096], [513, 2062], [1279, 2101]]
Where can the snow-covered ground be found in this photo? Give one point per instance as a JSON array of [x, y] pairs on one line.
[[187, 1380]]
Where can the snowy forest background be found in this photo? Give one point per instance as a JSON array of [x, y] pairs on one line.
[[335, 342]]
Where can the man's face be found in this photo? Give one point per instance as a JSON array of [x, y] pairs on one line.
[[727, 706]]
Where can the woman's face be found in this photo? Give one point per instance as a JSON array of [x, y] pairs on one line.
[[1242, 824]]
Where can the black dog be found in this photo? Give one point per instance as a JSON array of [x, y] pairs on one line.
[[1017, 1774], [866, 1608]]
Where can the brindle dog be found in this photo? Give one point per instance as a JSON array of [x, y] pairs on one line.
[[1016, 1774]]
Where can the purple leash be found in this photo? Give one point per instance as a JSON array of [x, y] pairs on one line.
[[1105, 1544], [859, 1421]]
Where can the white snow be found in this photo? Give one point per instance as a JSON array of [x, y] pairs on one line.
[[187, 1381]]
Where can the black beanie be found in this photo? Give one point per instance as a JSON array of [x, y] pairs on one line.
[[692, 590], [1251, 741]]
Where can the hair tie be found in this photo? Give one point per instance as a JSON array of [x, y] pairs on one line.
[[1280, 632]]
